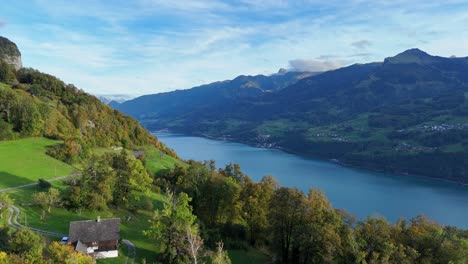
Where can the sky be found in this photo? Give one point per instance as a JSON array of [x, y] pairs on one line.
[[136, 47]]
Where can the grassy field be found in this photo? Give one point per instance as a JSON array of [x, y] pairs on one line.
[[24, 161], [157, 163], [132, 224]]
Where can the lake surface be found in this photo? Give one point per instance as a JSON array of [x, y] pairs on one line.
[[360, 192]]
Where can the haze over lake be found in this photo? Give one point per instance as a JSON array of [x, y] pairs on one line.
[[360, 192]]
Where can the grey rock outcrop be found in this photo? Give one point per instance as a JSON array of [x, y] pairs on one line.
[[10, 53]]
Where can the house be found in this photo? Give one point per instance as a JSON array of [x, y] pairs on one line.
[[98, 238]]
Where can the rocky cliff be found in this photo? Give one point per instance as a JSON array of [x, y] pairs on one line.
[[10, 53]]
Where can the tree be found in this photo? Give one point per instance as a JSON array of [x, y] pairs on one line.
[[220, 256], [168, 228], [7, 73], [286, 216], [194, 242], [5, 202], [24, 240], [97, 183], [44, 184], [131, 176], [255, 199], [319, 240], [58, 253], [47, 199], [219, 202]]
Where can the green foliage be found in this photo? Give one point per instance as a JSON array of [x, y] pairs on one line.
[[44, 184], [220, 256], [42, 105], [115, 179], [5, 201], [24, 246], [7, 73], [24, 240], [46, 200], [171, 226], [65, 254]]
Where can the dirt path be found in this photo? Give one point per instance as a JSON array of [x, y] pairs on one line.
[[13, 222], [131, 250], [35, 183]]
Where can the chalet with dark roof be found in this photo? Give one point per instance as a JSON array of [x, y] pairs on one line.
[[98, 238]]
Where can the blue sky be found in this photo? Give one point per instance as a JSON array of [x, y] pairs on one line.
[[139, 47]]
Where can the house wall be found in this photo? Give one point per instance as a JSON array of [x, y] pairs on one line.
[[91, 249], [107, 254]]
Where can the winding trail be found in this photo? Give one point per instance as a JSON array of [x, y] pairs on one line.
[[36, 183], [131, 250], [13, 222], [15, 213]]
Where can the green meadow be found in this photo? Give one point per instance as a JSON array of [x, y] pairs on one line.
[[25, 161]]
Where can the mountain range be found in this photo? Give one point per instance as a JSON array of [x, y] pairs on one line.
[[205, 96], [407, 114]]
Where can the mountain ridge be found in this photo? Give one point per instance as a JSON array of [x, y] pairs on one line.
[[382, 115]]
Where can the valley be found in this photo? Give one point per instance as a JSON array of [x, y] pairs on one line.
[[405, 115]]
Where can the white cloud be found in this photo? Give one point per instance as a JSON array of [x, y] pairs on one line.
[[132, 50], [313, 65]]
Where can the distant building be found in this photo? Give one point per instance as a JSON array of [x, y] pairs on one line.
[[99, 238]]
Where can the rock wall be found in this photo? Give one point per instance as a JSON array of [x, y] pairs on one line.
[[14, 60], [10, 53]]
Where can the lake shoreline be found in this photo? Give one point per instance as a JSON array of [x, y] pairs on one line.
[[357, 190], [308, 156]]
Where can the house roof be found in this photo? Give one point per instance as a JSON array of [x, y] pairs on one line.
[[92, 230]]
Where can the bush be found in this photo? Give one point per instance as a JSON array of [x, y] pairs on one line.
[[44, 184]]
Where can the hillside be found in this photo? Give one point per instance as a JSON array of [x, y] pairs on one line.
[[408, 114], [198, 98], [38, 104]]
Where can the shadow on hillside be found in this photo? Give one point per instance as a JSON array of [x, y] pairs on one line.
[[8, 180]]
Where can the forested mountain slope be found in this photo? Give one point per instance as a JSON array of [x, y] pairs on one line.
[[408, 114], [38, 104], [199, 98]]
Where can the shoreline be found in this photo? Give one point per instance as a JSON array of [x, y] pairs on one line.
[[302, 155]]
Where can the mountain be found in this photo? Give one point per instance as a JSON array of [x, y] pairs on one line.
[[114, 98], [33, 103], [10, 53], [407, 114], [104, 99], [198, 98]]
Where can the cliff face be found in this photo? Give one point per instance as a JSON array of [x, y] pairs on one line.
[[10, 53]]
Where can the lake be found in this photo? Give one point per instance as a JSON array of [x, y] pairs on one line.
[[360, 192]]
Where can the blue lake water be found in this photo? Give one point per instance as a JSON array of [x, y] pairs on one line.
[[360, 192]]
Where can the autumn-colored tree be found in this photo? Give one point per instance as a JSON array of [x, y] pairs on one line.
[[58, 253]]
